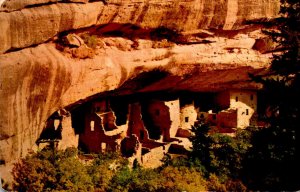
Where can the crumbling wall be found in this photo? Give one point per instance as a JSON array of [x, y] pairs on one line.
[[108, 120], [164, 116], [52, 128], [131, 147], [174, 112], [157, 119], [153, 158], [68, 136], [100, 132], [94, 138], [136, 125]]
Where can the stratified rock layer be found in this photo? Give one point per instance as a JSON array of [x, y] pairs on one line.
[[36, 79], [36, 25]]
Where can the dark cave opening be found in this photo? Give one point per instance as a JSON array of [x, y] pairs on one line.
[[52, 129], [119, 106]]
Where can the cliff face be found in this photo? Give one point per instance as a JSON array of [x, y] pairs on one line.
[[201, 45], [36, 25]]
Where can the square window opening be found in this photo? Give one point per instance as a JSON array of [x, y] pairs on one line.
[[186, 119]]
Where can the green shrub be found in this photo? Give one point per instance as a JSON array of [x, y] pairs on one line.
[[169, 178], [220, 154], [72, 175], [182, 179], [104, 167], [135, 180], [215, 184], [90, 40], [47, 170]]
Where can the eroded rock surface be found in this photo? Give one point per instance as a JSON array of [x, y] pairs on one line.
[[212, 50], [36, 25]]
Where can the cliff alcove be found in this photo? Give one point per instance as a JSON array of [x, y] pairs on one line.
[[128, 47]]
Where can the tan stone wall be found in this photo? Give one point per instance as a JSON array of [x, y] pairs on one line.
[[69, 138], [188, 116], [244, 101], [246, 104], [174, 108], [153, 158]]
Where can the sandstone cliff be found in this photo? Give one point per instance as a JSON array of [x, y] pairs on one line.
[[212, 50], [36, 25]]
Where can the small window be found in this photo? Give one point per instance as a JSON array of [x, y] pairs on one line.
[[142, 135], [92, 124], [251, 97], [247, 111], [2, 162], [157, 112], [186, 119], [236, 99]]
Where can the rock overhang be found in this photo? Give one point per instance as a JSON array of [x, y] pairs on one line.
[[216, 53]]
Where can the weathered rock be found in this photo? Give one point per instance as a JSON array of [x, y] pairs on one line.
[[37, 81], [32, 26], [73, 40], [83, 52], [265, 45], [11, 5], [36, 25], [77, 1]]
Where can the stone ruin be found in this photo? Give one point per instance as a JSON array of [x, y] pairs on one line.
[[146, 129]]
